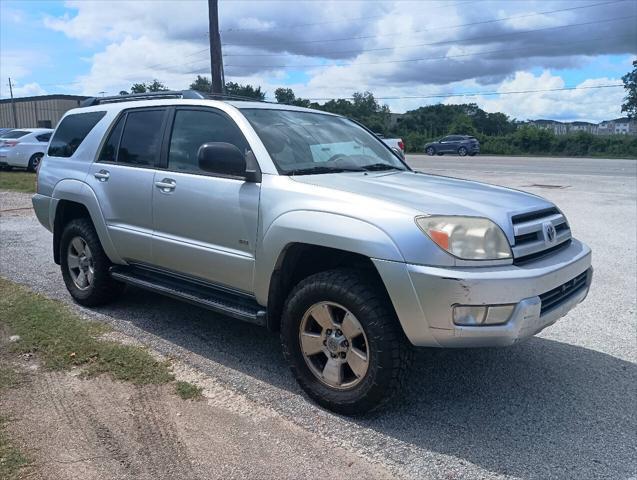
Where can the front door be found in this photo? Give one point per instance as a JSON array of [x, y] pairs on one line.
[[205, 224], [122, 180]]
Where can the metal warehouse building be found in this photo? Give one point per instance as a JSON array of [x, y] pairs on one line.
[[42, 111]]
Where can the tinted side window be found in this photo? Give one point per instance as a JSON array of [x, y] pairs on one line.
[[141, 139], [109, 150], [45, 137], [15, 134], [72, 132], [193, 128]]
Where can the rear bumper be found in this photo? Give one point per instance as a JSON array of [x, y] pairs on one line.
[[424, 297]]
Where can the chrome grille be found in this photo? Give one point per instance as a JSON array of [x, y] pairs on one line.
[[539, 233]]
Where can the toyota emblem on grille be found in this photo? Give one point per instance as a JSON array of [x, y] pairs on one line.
[[549, 232]]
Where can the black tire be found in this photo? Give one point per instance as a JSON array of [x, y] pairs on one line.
[[430, 151], [462, 151], [390, 353], [34, 162], [103, 289]]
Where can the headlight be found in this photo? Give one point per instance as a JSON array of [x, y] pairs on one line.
[[469, 238]]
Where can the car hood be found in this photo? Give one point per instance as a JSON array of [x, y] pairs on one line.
[[435, 194]]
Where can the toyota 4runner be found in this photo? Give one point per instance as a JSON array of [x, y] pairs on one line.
[[306, 223]]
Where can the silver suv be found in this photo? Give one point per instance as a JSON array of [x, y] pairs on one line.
[[306, 223]]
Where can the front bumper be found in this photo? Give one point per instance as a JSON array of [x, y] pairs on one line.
[[424, 297]]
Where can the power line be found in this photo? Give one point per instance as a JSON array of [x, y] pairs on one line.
[[410, 60], [299, 25], [442, 42], [471, 94], [428, 29]]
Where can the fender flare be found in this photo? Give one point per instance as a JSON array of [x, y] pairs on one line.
[[79, 192], [322, 229]]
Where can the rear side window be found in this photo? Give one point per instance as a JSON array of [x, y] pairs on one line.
[[71, 133], [109, 150], [141, 138], [193, 128], [45, 137], [15, 134]]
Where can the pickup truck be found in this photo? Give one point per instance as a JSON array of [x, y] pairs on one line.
[[303, 222], [395, 144]]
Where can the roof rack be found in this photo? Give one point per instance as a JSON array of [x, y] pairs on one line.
[[185, 94]]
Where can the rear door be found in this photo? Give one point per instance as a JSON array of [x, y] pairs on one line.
[[122, 179], [205, 223], [446, 144]]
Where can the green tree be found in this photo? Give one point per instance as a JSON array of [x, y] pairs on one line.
[[284, 95], [156, 86], [630, 84], [201, 84], [462, 125], [245, 91], [138, 88]]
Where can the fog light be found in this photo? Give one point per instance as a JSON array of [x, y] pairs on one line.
[[499, 314], [467, 315]]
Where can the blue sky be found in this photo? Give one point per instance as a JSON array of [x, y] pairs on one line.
[[87, 47]]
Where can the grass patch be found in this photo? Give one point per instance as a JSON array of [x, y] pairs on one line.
[[18, 181], [8, 377], [63, 340], [188, 391], [11, 460]]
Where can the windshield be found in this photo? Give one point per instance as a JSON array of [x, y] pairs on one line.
[[302, 143]]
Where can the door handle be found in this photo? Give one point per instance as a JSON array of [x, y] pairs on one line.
[[102, 175], [166, 185]]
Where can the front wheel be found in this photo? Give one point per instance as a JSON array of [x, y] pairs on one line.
[[462, 151], [343, 342], [430, 151]]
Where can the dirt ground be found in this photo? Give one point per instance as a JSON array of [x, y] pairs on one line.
[[74, 428]]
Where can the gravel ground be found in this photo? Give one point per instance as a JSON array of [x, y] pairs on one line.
[[561, 405]]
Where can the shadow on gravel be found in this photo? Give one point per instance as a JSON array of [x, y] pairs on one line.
[[539, 409]]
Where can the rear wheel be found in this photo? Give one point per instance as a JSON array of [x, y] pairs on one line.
[[85, 266], [430, 151], [34, 162], [462, 151], [343, 341]]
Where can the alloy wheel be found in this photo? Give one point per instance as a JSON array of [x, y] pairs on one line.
[[79, 259], [334, 345]]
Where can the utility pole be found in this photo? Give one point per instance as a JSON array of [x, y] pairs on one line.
[[216, 60], [15, 114]]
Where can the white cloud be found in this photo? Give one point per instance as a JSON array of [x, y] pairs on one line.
[[20, 64], [140, 40], [28, 90], [584, 104]]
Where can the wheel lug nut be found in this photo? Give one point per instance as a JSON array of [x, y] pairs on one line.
[[328, 331], [342, 354], [339, 333]]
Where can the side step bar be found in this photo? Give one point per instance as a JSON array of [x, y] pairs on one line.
[[226, 302]]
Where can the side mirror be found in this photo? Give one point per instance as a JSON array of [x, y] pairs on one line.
[[222, 158]]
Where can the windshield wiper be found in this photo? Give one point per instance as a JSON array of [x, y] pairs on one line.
[[320, 169], [377, 167]]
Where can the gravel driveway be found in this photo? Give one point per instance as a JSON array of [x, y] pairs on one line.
[[561, 405]]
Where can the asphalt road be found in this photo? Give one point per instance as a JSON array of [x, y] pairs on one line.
[[561, 405], [482, 164]]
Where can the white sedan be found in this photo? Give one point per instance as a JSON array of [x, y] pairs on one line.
[[24, 147]]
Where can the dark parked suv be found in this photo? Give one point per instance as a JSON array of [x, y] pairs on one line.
[[460, 144]]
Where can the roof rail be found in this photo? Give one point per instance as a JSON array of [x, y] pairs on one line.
[[189, 94], [186, 94]]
